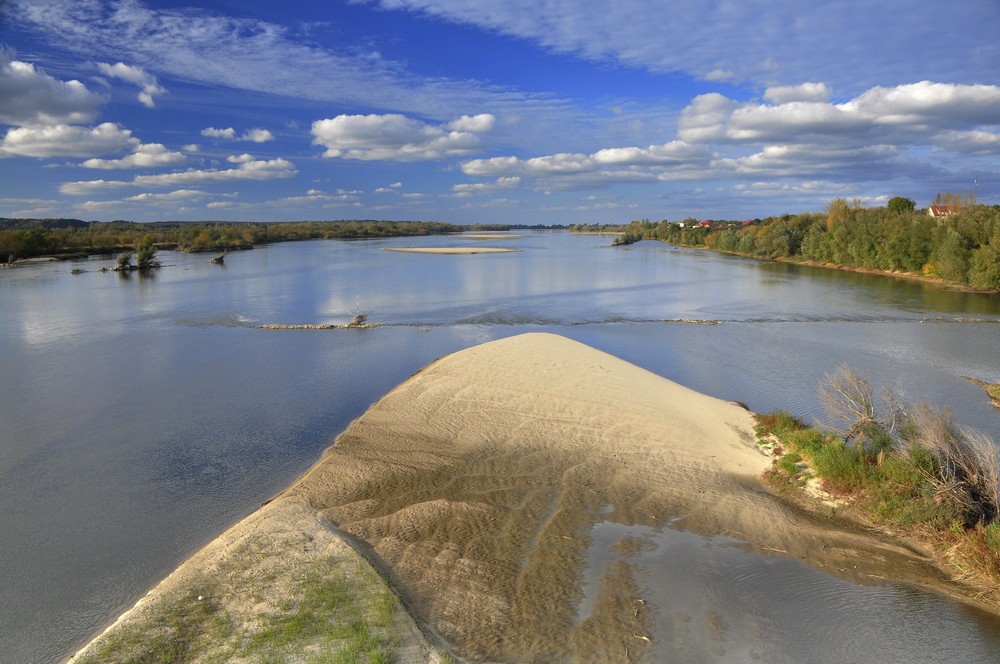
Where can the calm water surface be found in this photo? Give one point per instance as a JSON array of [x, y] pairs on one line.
[[140, 416]]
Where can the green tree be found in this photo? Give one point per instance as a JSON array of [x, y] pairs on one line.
[[899, 204]]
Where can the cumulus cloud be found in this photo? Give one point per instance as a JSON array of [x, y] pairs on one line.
[[467, 189], [247, 168], [147, 155], [136, 76], [257, 136], [229, 134], [66, 141], [29, 96], [619, 164], [473, 123], [881, 134], [970, 142], [889, 114], [395, 137], [806, 92], [211, 132]]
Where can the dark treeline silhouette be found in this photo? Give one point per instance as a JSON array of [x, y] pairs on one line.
[[27, 238]]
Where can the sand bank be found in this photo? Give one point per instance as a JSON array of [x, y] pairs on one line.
[[450, 250], [474, 486], [490, 236]]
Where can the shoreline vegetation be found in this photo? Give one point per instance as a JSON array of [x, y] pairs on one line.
[[907, 469], [22, 239], [419, 510], [959, 250]]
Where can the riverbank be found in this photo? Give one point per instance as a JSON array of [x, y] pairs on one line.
[[473, 488]]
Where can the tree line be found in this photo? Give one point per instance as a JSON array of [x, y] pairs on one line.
[[28, 238], [961, 248]]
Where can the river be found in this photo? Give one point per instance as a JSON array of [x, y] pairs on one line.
[[140, 415]]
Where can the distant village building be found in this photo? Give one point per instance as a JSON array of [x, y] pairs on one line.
[[942, 210]]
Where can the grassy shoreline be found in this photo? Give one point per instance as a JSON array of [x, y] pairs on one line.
[[930, 483]]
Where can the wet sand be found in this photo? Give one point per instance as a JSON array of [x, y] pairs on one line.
[[474, 488]]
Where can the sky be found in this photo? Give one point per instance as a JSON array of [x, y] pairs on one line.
[[492, 111]]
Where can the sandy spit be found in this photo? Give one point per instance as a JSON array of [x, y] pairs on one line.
[[490, 236], [450, 250], [473, 487]]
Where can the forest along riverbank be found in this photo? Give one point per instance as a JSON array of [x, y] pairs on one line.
[[473, 488]]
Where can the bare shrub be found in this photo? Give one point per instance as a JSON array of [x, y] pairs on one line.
[[847, 398], [969, 469]]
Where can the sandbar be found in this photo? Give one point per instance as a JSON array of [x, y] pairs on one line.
[[472, 488], [450, 250], [490, 236]]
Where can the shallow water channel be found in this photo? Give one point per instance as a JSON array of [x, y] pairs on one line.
[[716, 601], [142, 415]]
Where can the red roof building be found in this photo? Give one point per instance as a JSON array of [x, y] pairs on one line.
[[942, 210]]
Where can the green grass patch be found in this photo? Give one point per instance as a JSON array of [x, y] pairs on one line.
[[844, 468], [991, 538], [345, 619], [337, 614], [789, 463], [181, 632], [777, 423]]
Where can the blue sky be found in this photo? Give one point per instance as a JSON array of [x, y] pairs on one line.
[[492, 111]]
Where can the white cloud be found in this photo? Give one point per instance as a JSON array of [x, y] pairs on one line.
[[891, 115], [476, 124], [66, 141], [882, 134], [229, 134], [147, 155], [317, 196], [705, 117], [191, 147], [806, 92], [466, 189], [622, 164], [394, 137], [720, 75], [136, 76], [211, 132], [970, 142], [205, 47], [248, 169], [220, 204], [29, 96], [852, 44], [179, 194], [257, 136]]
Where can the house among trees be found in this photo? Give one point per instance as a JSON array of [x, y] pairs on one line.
[[942, 210]]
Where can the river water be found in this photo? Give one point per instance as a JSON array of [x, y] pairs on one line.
[[142, 415]]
